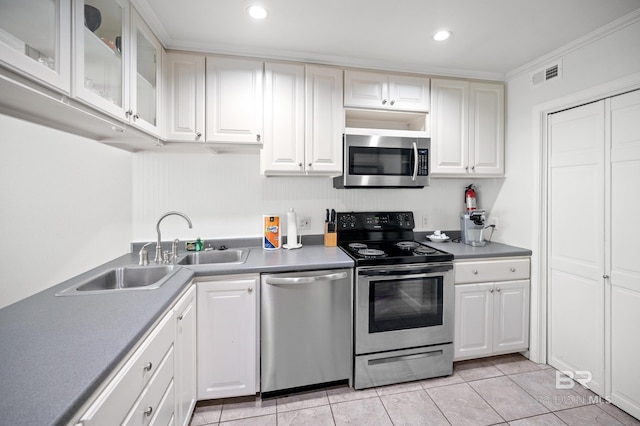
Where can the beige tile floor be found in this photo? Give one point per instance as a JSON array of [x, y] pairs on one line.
[[500, 390]]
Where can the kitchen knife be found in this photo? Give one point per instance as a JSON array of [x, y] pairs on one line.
[[332, 221]]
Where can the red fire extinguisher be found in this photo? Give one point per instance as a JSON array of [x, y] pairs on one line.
[[470, 198]]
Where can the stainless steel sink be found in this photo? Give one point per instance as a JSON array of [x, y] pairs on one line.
[[215, 256], [126, 278]]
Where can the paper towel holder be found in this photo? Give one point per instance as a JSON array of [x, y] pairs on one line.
[[292, 231]]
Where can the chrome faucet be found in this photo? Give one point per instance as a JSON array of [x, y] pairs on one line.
[[158, 258]]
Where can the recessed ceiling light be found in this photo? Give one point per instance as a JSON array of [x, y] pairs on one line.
[[442, 35], [257, 12]]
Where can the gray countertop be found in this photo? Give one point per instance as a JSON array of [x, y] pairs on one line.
[[56, 351]]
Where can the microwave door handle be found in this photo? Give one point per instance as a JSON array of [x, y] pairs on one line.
[[415, 162]]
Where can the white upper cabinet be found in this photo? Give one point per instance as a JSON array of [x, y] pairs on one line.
[[185, 107], [101, 54], [364, 89], [35, 39], [118, 63], [304, 120], [234, 98], [467, 128], [145, 77]]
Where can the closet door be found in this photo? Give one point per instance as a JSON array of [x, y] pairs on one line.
[[625, 265], [576, 241]]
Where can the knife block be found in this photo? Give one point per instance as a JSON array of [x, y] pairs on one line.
[[330, 238]]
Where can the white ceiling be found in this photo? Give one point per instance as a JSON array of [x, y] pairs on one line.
[[490, 37]]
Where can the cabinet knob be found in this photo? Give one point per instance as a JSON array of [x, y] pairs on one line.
[[180, 317], [198, 135], [475, 272], [606, 277], [309, 165], [473, 167], [392, 102], [250, 289], [498, 289], [128, 113], [148, 367], [148, 411], [491, 291], [384, 102], [257, 138], [300, 165], [135, 117], [466, 168], [513, 269]]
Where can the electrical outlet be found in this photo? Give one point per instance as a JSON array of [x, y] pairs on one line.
[[304, 222], [494, 221], [425, 221]]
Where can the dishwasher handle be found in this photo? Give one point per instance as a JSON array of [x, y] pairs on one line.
[[304, 280]]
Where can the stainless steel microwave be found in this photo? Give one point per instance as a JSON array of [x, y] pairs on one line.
[[378, 161]]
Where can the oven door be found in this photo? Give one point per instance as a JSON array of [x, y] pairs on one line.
[[403, 306]]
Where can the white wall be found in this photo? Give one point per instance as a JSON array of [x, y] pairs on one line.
[[225, 196], [65, 206], [585, 67]]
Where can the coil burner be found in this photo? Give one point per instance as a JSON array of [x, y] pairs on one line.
[[371, 253]]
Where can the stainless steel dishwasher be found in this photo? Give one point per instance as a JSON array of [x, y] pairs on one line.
[[305, 328]]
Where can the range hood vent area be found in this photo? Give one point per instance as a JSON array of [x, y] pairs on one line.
[[549, 72]]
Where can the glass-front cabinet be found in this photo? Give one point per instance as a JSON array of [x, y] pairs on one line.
[[35, 38], [118, 62], [101, 54]]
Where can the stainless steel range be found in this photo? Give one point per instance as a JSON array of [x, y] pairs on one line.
[[403, 316]]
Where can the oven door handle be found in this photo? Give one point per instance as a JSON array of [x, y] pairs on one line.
[[304, 280], [409, 271]]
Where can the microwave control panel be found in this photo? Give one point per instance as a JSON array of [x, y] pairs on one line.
[[423, 162]]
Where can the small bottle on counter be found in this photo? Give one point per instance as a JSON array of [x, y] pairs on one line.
[[198, 245]]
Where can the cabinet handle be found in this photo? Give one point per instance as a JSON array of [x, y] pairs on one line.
[[148, 367], [392, 102], [148, 411], [198, 135], [128, 113], [606, 277], [257, 138], [300, 165], [180, 317], [473, 167], [513, 269], [498, 289], [491, 291], [309, 165], [475, 272], [250, 289], [466, 168], [135, 117], [384, 102]]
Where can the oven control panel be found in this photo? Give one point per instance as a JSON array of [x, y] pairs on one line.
[[375, 221]]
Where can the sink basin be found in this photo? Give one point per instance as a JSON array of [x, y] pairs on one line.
[[215, 256], [124, 278]]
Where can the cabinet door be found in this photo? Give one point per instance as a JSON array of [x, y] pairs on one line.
[[234, 101], [407, 93], [35, 38], [146, 56], [283, 146], [511, 316], [365, 89], [486, 129], [102, 56], [449, 127], [185, 357], [625, 269], [324, 120], [185, 97], [227, 336], [474, 320]]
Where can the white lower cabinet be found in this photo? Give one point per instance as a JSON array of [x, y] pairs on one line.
[[156, 385], [136, 393], [492, 318], [227, 333], [185, 357]]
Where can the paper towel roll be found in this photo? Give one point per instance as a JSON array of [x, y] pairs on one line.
[[292, 228]]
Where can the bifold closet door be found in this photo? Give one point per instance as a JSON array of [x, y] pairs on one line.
[[576, 242], [625, 254]]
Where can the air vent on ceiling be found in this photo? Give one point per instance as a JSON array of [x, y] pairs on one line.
[[547, 73]]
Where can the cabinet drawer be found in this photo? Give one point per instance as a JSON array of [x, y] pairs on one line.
[[116, 400], [491, 270], [152, 406]]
